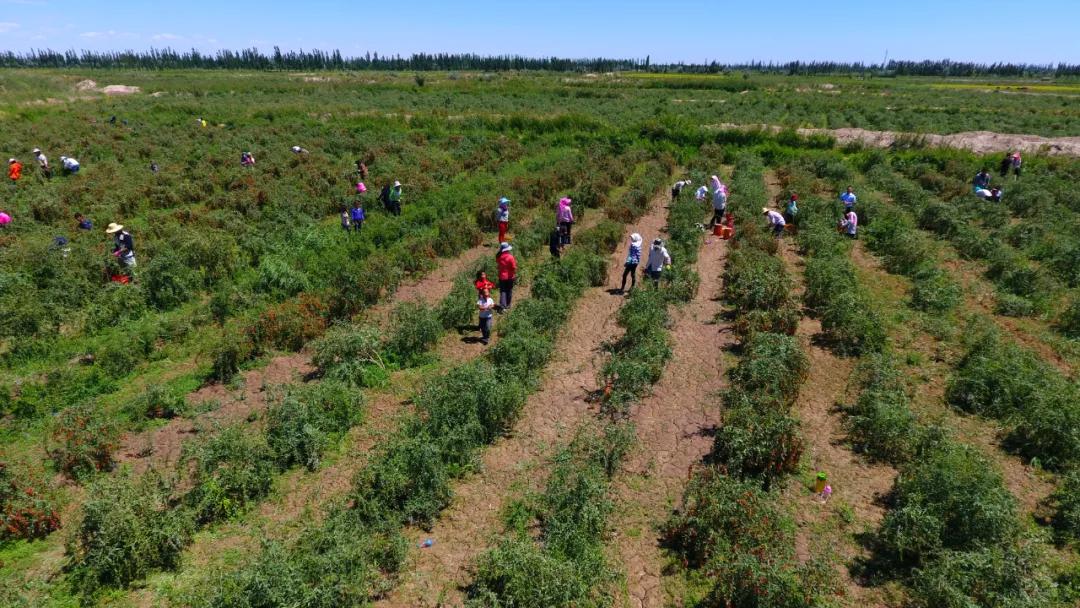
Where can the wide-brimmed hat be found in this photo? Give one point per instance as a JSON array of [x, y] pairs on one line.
[[397, 184], [113, 228], [63, 158], [658, 242], [360, 187], [635, 239], [504, 201], [504, 247], [36, 151], [10, 160], [565, 200], [764, 210]]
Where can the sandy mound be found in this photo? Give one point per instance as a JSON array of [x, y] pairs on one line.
[[120, 89], [85, 85]]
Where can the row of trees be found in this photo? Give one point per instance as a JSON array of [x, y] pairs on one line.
[[254, 59]]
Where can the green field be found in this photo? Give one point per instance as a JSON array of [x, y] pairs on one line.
[[276, 411]]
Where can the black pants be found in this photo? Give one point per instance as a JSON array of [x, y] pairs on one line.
[[506, 293], [629, 269], [395, 207], [717, 217], [357, 226], [564, 230], [485, 329]]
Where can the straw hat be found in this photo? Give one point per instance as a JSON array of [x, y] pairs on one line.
[[114, 228], [764, 210], [635, 240], [36, 151]]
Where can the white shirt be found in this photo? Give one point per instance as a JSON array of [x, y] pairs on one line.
[[658, 258], [775, 219], [486, 305], [702, 193], [71, 163], [44, 162]]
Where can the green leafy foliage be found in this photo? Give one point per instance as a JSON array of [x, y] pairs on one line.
[[232, 467]]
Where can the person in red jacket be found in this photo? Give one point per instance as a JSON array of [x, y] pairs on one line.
[[482, 282], [14, 170], [507, 273]]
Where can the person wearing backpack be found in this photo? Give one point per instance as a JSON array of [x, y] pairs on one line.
[[395, 199], [384, 197]]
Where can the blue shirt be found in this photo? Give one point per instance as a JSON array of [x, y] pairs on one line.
[[358, 214], [86, 224], [848, 198], [634, 257]]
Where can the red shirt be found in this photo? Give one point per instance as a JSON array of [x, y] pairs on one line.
[[482, 284], [14, 170], [507, 266]]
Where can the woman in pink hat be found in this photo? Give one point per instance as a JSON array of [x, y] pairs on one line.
[[565, 218]]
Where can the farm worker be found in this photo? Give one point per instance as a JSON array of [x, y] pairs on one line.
[[361, 188], [850, 223], [5, 219], [43, 162], [84, 222], [507, 266], [247, 159], [298, 150], [14, 170], [555, 243], [346, 223], [776, 221], [482, 283], [565, 217], [982, 180], [1006, 164], [357, 216], [993, 194], [361, 169], [395, 199], [502, 217], [719, 201], [486, 306], [792, 209], [677, 188], [701, 194], [123, 244], [633, 258], [68, 165], [848, 198], [1016, 162], [659, 259], [154, 167]]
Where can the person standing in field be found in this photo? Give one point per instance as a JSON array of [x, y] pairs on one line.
[[555, 243], [1016, 162], [982, 180], [68, 165], [486, 306], [565, 218], [719, 200], [792, 209], [43, 163], [502, 217], [357, 216], [1006, 164], [14, 170], [677, 188], [850, 223], [395, 198], [659, 259], [123, 245], [849, 198], [507, 266], [776, 221], [346, 222], [633, 258], [361, 169]]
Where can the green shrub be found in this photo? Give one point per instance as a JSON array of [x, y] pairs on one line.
[[933, 290], [169, 281], [880, 422], [1068, 322], [756, 440], [458, 308], [989, 576], [234, 349], [1048, 429], [300, 425], [996, 377], [1010, 305], [773, 365], [82, 441], [350, 353], [1066, 507], [416, 327], [852, 324], [232, 467], [156, 401], [127, 531], [28, 509], [277, 276], [519, 573]]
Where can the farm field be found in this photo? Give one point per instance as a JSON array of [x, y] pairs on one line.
[[279, 412]]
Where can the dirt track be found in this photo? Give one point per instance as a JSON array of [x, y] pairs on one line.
[[471, 523]]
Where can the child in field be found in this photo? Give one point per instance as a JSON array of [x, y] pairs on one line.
[[84, 222], [848, 198], [1006, 164], [345, 222], [502, 217], [482, 283], [358, 216], [792, 209], [486, 306], [659, 259], [701, 194], [555, 243], [361, 169], [14, 170], [1016, 162]]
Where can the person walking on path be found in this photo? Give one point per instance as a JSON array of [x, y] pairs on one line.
[[719, 201], [507, 266], [1016, 162], [357, 216], [502, 218], [633, 258], [659, 259], [68, 165], [565, 218], [555, 243], [981, 181], [791, 211], [776, 221], [43, 163], [14, 170], [482, 283], [849, 198], [395, 198], [850, 223], [123, 245], [677, 188], [486, 306]]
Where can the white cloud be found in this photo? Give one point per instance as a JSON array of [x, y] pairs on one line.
[[7, 26], [166, 36], [106, 34]]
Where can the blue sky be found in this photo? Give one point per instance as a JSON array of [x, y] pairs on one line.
[[686, 30]]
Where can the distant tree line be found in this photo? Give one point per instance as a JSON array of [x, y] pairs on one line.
[[253, 59]]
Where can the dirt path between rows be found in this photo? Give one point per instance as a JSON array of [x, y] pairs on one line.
[[162, 447], [674, 432], [471, 523], [979, 142], [856, 483]]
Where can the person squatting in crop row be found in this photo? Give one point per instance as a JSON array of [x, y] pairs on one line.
[[247, 159], [14, 170], [507, 266], [502, 218], [677, 188], [486, 306], [659, 260], [849, 224], [719, 200], [43, 163], [633, 258], [564, 216], [69, 166], [776, 221], [123, 246], [980, 186]]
